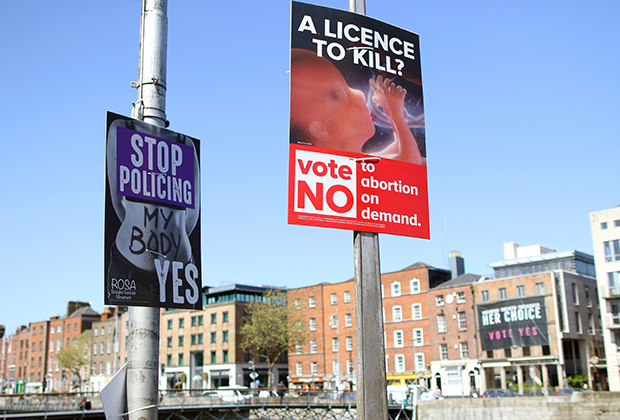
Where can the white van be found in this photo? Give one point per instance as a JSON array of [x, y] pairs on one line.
[[234, 394]]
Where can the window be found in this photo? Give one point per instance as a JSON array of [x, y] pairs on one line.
[[441, 323], [200, 320], [416, 311], [314, 368], [225, 336], [181, 359], [298, 348], [298, 304], [604, 225], [68, 327], [349, 366], [578, 322], [397, 313], [225, 316], [588, 299], [382, 293], [460, 297], [95, 346], [59, 329], [181, 341], [395, 289], [616, 223], [540, 289], [507, 352], [348, 320], [213, 357], [333, 321], [169, 326], [414, 286], [225, 356], [311, 302], [52, 331], [298, 369], [334, 298], [419, 362], [575, 292], [181, 322], [168, 359], [168, 344], [590, 324], [399, 361], [614, 282], [398, 339], [443, 351], [108, 368], [485, 295], [335, 369], [462, 320], [418, 337], [502, 293], [200, 338], [349, 343], [612, 250], [439, 300], [526, 351], [193, 321], [312, 324], [213, 337], [347, 297], [312, 346], [490, 354], [520, 290], [101, 348], [334, 344], [193, 340], [464, 347]]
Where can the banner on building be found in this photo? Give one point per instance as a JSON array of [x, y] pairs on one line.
[[152, 216], [513, 323], [357, 148]]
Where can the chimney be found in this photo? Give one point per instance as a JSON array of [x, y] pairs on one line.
[[457, 264]]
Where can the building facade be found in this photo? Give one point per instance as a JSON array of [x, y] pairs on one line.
[[605, 226], [538, 319], [201, 348]]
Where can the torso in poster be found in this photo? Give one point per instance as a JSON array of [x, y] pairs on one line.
[[152, 226], [357, 157]]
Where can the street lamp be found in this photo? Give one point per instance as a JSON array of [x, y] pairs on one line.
[[415, 363]]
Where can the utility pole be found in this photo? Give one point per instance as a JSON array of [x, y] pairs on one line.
[[150, 107]]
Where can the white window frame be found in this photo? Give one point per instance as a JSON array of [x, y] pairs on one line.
[[462, 321], [464, 349], [399, 338], [419, 362], [298, 348], [313, 346], [443, 351], [311, 302], [439, 301], [502, 293], [348, 320], [349, 343], [416, 314], [395, 288], [415, 286], [335, 345], [441, 323], [299, 370], [460, 297], [418, 337], [399, 363], [485, 295], [314, 368], [333, 321], [312, 324], [397, 313], [346, 297], [334, 298]]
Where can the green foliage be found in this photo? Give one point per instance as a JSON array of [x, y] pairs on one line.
[[271, 328], [577, 381], [75, 356]]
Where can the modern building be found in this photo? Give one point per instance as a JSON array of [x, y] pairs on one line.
[[201, 348], [538, 319], [605, 227]]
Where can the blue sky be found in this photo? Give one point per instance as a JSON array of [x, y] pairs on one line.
[[522, 116]]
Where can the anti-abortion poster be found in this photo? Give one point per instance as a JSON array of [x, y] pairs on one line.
[[357, 149], [513, 323], [152, 216]]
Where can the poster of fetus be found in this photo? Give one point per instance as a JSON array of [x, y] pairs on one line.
[[152, 216], [357, 147]]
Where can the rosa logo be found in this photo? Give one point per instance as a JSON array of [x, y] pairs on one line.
[[325, 184], [122, 285]]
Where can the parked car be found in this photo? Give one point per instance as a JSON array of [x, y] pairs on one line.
[[567, 392], [234, 394], [498, 393]]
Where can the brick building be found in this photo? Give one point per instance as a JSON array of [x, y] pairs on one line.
[[538, 319], [109, 345]]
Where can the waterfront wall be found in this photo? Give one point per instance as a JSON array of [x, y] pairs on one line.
[[580, 406]]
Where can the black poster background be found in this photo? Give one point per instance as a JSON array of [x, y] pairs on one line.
[[146, 292], [358, 75], [509, 331]]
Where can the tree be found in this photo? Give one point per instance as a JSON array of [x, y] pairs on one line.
[[75, 357], [271, 329]]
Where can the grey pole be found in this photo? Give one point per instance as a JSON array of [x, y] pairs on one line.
[[150, 106], [370, 353]]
